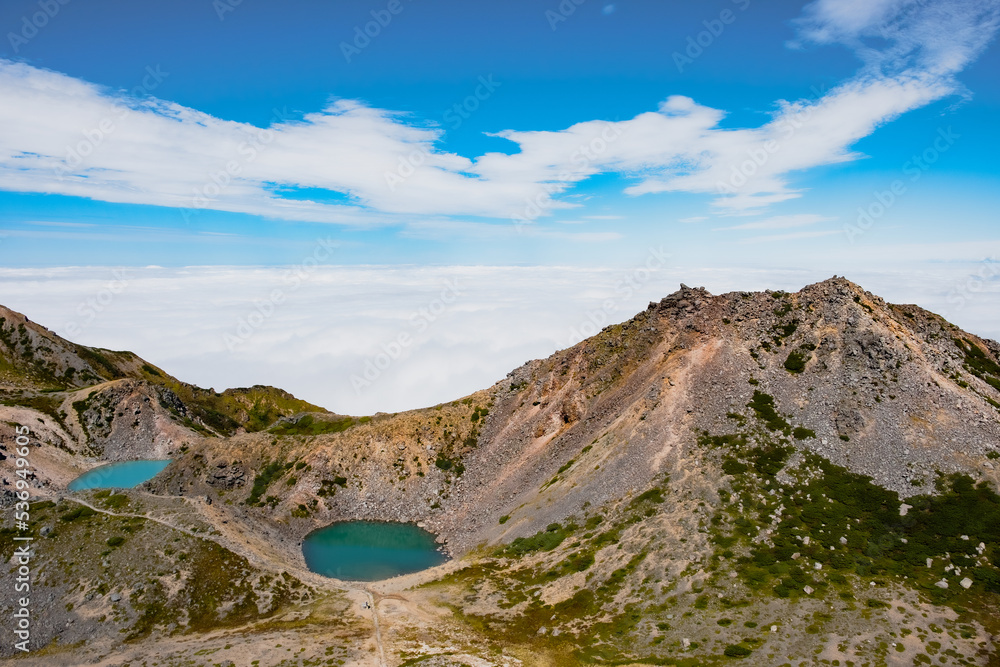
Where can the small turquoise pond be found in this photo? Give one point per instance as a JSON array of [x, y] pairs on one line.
[[123, 475], [370, 550]]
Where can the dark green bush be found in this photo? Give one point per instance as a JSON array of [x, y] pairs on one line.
[[736, 651], [796, 362], [763, 405]]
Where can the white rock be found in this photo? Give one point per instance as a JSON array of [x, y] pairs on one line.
[[774, 628], [686, 643], [843, 540], [942, 584], [930, 562], [965, 537], [965, 583], [805, 540], [817, 566], [808, 590]]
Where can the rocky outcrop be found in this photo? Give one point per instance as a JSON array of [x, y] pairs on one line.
[[132, 419]]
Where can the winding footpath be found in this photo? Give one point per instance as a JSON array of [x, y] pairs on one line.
[[372, 604], [378, 631]]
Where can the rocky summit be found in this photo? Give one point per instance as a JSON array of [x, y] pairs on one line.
[[761, 478]]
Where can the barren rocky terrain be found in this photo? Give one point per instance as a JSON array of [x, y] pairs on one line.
[[780, 478]]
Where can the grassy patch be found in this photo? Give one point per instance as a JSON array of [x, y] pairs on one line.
[[763, 405], [309, 425], [270, 473], [801, 433], [545, 540], [796, 362], [328, 487]]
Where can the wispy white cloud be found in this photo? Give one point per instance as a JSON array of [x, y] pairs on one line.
[[53, 223], [452, 229], [782, 222], [790, 237], [938, 37], [62, 135]]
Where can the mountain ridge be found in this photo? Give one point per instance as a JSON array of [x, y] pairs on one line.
[[703, 399]]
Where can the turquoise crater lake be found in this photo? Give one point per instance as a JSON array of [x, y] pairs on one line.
[[122, 475], [370, 550]]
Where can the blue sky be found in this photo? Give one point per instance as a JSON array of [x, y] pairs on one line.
[[324, 136]]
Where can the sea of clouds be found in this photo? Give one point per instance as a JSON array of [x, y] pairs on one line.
[[363, 339]]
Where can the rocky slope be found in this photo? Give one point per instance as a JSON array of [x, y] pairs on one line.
[[883, 390], [601, 497]]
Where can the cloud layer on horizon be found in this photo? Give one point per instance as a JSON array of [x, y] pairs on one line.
[[466, 327]]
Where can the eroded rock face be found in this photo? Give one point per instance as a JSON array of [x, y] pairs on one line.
[[225, 476], [131, 419]]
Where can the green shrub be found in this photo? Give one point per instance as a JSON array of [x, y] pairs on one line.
[[116, 501], [653, 495], [769, 460], [796, 362], [733, 467], [446, 464], [116, 541], [763, 405], [77, 513], [736, 651], [504, 519], [327, 487], [546, 540], [566, 466], [801, 433], [271, 472], [579, 562]]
